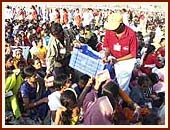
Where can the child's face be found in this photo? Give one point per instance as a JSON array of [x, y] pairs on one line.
[[18, 54], [145, 86], [82, 32], [40, 43], [37, 64], [68, 84], [33, 79], [81, 84], [87, 34]]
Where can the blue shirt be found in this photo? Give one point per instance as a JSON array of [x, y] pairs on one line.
[[28, 91]]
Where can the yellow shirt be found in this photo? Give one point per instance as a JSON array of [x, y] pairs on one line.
[[41, 53]]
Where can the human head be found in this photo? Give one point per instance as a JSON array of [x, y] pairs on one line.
[[69, 101], [111, 90], [162, 42], [40, 42], [8, 62], [30, 74], [21, 64], [87, 32], [61, 82], [154, 78], [36, 63], [77, 10], [144, 81], [8, 50], [83, 81], [81, 30], [120, 29], [115, 23], [82, 40], [18, 53], [64, 10], [102, 38], [57, 30], [151, 49]]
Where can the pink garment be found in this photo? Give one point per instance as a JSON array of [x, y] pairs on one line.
[[97, 111], [159, 87], [161, 76]]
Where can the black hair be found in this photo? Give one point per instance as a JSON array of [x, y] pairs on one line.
[[81, 28], [92, 42], [68, 100], [29, 71], [151, 48], [143, 79], [85, 78], [59, 81], [124, 10], [82, 39], [162, 39], [21, 62], [65, 10], [8, 57], [152, 36], [87, 27], [39, 39], [111, 90], [97, 27], [32, 61], [57, 31], [101, 37], [154, 78], [139, 33]]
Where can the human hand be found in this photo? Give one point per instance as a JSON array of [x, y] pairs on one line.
[[76, 44], [136, 113], [16, 71], [90, 81], [101, 77], [46, 76], [105, 60]]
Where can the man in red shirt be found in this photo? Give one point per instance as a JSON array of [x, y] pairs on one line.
[[161, 51], [121, 43], [150, 61]]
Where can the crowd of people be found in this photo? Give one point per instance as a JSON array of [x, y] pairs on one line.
[[42, 89]]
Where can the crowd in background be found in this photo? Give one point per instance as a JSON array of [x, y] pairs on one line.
[[72, 97]]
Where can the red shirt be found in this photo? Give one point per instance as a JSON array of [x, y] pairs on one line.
[[161, 51], [150, 60], [127, 44]]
